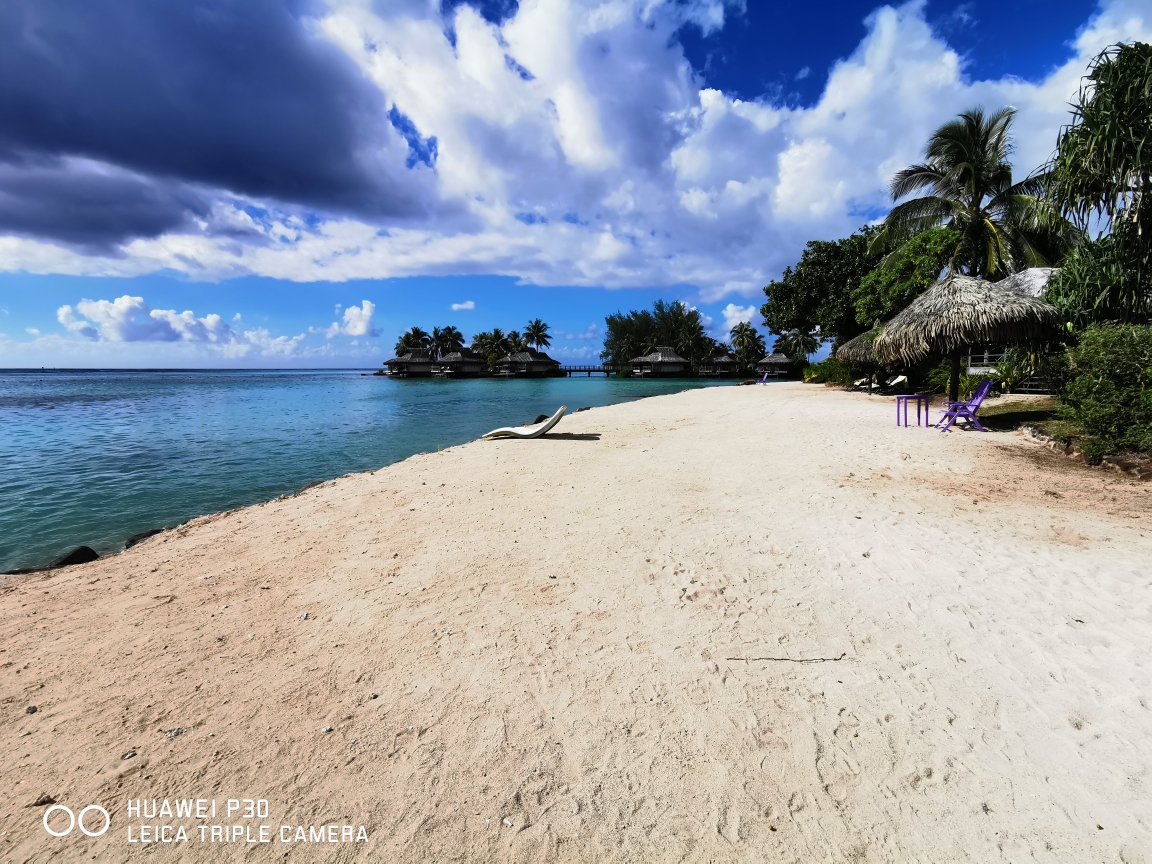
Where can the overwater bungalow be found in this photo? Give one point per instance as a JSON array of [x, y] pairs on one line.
[[662, 362], [416, 363], [720, 365], [775, 365], [464, 363], [528, 363]]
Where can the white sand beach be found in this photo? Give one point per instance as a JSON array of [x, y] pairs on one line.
[[594, 647]]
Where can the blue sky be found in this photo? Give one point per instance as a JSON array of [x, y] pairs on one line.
[[294, 182]]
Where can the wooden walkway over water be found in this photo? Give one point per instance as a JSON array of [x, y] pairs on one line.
[[604, 369]]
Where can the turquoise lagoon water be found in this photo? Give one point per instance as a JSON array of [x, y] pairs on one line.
[[94, 457]]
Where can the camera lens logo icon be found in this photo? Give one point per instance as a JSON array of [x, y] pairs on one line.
[[77, 821]]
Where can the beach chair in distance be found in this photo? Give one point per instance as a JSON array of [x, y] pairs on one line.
[[535, 430], [966, 411], [894, 383], [763, 380]]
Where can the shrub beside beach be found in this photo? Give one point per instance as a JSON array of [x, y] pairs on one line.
[[1109, 391]]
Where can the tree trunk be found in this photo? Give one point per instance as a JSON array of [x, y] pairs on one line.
[[954, 377]]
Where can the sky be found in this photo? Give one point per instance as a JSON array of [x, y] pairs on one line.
[[293, 183]]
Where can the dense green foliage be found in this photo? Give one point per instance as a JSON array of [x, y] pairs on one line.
[[1105, 280], [1109, 394], [798, 345], [828, 371], [1103, 170], [412, 340], [445, 340], [1000, 226], [747, 346], [818, 294], [494, 344], [904, 276], [640, 332]]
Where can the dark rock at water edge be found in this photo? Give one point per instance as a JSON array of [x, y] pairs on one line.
[[79, 555], [138, 538], [540, 418]]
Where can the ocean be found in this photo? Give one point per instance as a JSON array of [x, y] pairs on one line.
[[93, 457]]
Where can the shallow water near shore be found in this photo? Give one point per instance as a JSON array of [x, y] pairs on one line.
[[93, 457]]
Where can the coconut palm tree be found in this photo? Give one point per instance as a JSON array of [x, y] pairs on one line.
[[446, 340], [491, 345], [413, 340], [515, 342], [747, 344], [536, 333], [797, 344], [1002, 226]]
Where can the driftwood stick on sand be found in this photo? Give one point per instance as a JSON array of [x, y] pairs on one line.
[[791, 659]]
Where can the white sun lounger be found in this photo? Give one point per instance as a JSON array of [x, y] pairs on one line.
[[533, 431]]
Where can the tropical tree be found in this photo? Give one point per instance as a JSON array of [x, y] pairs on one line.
[[1001, 226], [640, 332], [446, 340], [1102, 173], [747, 344], [412, 340], [909, 272], [515, 342], [819, 293], [488, 344], [536, 333], [797, 344]]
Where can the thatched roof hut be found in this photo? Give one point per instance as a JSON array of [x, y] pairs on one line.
[[720, 363], [859, 351], [416, 363], [662, 361], [959, 311], [775, 364], [528, 362]]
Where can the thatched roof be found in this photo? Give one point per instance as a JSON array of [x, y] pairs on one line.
[[959, 311], [464, 355], [529, 355], [1030, 282], [662, 354], [858, 350], [415, 355], [775, 359]]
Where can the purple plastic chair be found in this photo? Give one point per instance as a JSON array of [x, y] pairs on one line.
[[966, 411]]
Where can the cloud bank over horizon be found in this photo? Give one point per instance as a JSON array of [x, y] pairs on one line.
[[568, 144]]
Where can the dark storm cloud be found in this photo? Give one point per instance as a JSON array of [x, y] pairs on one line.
[[226, 94], [89, 206]]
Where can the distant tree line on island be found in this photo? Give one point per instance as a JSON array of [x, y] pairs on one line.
[[676, 325], [491, 345]]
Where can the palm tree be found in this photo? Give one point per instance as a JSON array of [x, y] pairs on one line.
[[536, 333], [413, 340], [446, 340], [491, 345], [748, 345], [797, 344], [515, 342], [1002, 226]]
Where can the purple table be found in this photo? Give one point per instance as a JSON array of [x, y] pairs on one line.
[[904, 400]]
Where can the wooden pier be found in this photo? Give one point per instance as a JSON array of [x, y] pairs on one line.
[[605, 369]]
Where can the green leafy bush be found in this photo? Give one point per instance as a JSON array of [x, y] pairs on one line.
[[828, 371], [1109, 391]]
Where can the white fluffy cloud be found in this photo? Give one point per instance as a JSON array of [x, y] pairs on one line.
[[466, 305], [357, 322], [734, 314], [581, 149], [129, 319]]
